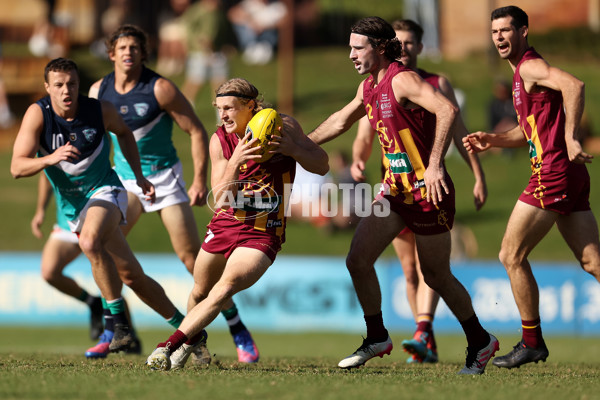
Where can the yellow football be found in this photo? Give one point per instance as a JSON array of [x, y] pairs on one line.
[[263, 125]]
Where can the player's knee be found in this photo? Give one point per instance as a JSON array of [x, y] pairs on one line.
[[51, 275], [592, 268], [90, 245], [508, 258], [188, 259], [198, 294]]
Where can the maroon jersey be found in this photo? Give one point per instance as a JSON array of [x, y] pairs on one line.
[[406, 137], [261, 199], [542, 120]]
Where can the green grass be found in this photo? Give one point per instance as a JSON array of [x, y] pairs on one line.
[[47, 363], [324, 82]]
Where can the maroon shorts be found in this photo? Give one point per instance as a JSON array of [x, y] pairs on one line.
[[224, 235], [421, 219], [562, 193]]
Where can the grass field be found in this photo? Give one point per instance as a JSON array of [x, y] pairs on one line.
[[47, 363]]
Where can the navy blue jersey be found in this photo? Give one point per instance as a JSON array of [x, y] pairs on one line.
[[151, 126], [75, 182]]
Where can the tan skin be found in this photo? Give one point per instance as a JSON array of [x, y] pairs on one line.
[[217, 279], [527, 225], [373, 233]]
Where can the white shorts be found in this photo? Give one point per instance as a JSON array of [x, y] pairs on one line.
[[169, 187], [63, 235], [112, 194], [202, 66]]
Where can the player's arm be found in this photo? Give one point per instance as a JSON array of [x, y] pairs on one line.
[[361, 149], [24, 161], [225, 173], [340, 121], [94, 89], [481, 141], [43, 198], [115, 123], [410, 86], [294, 143], [459, 131], [179, 108], [538, 73]]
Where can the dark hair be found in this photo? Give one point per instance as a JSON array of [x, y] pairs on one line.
[[128, 30], [409, 25], [380, 33], [60, 65], [519, 17]]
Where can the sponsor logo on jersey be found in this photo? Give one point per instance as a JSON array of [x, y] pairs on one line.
[[419, 184], [274, 223], [89, 134], [399, 163], [532, 149], [141, 108]]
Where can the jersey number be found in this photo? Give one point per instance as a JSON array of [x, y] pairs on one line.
[[57, 140]]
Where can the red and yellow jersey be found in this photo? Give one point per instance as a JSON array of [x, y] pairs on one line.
[[542, 120], [261, 198], [406, 137]]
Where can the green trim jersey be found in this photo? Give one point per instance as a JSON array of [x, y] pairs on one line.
[[151, 125], [75, 182]]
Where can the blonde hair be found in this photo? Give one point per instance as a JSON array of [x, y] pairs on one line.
[[244, 91]]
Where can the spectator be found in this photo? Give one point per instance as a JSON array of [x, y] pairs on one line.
[[501, 113], [172, 38], [255, 23], [205, 26]]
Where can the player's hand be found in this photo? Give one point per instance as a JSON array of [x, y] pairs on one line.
[[66, 152], [244, 151], [282, 143], [476, 142], [479, 194], [147, 189], [435, 184], [576, 153], [197, 194], [357, 170], [36, 224]]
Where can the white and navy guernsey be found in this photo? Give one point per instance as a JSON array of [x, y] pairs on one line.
[[151, 126], [75, 182]]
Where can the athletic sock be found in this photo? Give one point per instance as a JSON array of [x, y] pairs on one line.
[[176, 319], [532, 333], [376, 331], [477, 337], [109, 322], [174, 341], [233, 320], [117, 310], [425, 324], [196, 338]]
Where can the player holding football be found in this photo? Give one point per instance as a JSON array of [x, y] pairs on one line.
[[549, 103], [67, 131], [417, 191], [421, 298], [150, 104], [242, 240]]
